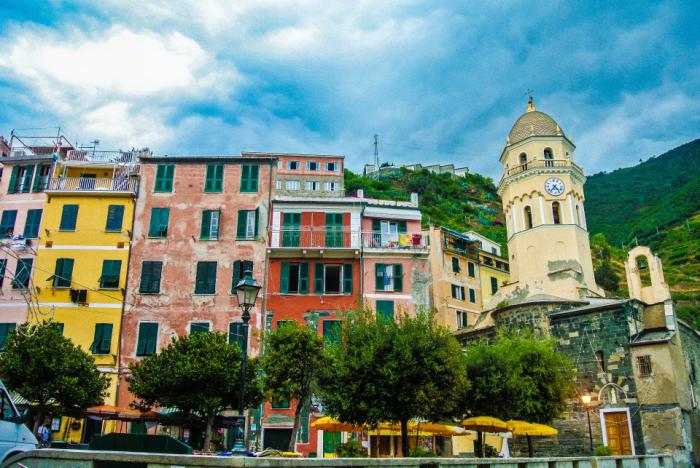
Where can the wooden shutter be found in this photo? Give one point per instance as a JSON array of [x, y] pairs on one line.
[[103, 338], [303, 278], [237, 333], [245, 178], [13, 180], [318, 278], [7, 223], [31, 227], [253, 183], [236, 275], [257, 218], [148, 337], [463, 296], [69, 218], [379, 272], [471, 269], [169, 176], [3, 266], [209, 178], [472, 295], [398, 277], [401, 227], [284, 278], [219, 178], [385, 310], [36, 187], [115, 216], [63, 273], [376, 225], [111, 270], [206, 225], [347, 278]]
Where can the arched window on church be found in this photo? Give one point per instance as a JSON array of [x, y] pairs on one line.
[[528, 218], [556, 213], [643, 269], [578, 216], [523, 161], [548, 157]]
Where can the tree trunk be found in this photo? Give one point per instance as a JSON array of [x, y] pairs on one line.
[[39, 418], [404, 438], [297, 423], [207, 432]]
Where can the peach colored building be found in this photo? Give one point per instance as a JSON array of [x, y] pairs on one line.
[[199, 225], [27, 165], [307, 175]]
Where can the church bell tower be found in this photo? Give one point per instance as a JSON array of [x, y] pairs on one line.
[[542, 195]]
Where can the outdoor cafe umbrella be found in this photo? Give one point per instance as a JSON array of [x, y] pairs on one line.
[[523, 428], [327, 423], [482, 424]]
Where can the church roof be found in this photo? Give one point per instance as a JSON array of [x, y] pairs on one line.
[[533, 123]]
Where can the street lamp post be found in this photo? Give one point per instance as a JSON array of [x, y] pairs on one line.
[[247, 291], [586, 399]]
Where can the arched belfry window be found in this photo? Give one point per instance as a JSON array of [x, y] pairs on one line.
[[556, 213], [643, 269], [528, 218], [522, 158], [548, 157]]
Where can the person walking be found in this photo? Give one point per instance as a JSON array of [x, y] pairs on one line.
[[43, 434]]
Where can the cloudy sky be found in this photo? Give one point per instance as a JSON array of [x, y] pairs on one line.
[[437, 81]]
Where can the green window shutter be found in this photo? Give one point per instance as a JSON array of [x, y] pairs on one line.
[[398, 277], [28, 174], [148, 338], [347, 278], [385, 310], [379, 272], [5, 330], [31, 227], [242, 222], [402, 227], [291, 223], [249, 178], [209, 178], [160, 218], [284, 278], [69, 218], [206, 225], [318, 278], [455, 265], [12, 188], [3, 267], [38, 185], [376, 225], [471, 270], [169, 176], [164, 178], [494, 285], [111, 270], [64, 273], [150, 277], [303, 278], [199, 327], [219, 178], [160, 178], [215, 178], [102, 342], [257, 219], [253, 184], [332, 331], [236, 276], [472, 295], [7, 223], [236, 333], [115, 217], [463, 296], [22, 273], [205, 282]]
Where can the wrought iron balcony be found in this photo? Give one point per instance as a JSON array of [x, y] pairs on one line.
[[103, 157], [314, 238], [539, 164], [394, 241], [93, 184]]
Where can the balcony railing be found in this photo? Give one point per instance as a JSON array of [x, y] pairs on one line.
[[92, 184], [108, 157], [540, 163], [393, 240], [315, 238]]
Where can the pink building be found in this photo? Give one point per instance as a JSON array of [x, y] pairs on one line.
[[27, 165], [307, 175]]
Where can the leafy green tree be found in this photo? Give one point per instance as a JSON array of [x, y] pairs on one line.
[[48, 369], [199, 375], [292, 360], [393, 371], [606, 277], [518, 376]]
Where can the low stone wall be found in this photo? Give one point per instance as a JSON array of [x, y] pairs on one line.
[[90, 459]]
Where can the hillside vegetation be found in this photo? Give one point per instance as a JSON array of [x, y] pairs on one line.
[[655, 203]]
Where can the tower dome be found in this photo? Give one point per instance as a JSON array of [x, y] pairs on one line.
[[533, 123]]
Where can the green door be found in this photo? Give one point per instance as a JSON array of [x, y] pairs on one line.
[[330, 441], [334, 229], [291, 229]]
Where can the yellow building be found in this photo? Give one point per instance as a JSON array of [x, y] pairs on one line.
[[493, 268], [456, 286], [82, 259]]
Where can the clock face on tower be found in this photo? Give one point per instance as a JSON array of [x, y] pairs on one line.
[[554, 186]]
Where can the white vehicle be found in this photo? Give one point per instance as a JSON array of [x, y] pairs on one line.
[[15, 437]]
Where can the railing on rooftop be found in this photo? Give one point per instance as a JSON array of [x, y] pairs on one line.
[[540, 163], [92, 184], [393, 240], [108, 157]]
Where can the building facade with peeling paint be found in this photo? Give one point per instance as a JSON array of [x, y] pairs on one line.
[[82, 260], [327, 256], [633, 357], [200, 224]]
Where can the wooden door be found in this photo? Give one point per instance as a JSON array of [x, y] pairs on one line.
[[617, 429]]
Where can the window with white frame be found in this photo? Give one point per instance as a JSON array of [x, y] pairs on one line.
[[291, 184], [293, 165], [331, 167], [313, 185], [461, 319], [312, 166], [458, 292], [331, 186]]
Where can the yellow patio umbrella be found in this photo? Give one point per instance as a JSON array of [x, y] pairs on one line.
[[524, 428], [446, 430], [482, 424], [327, 423]]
